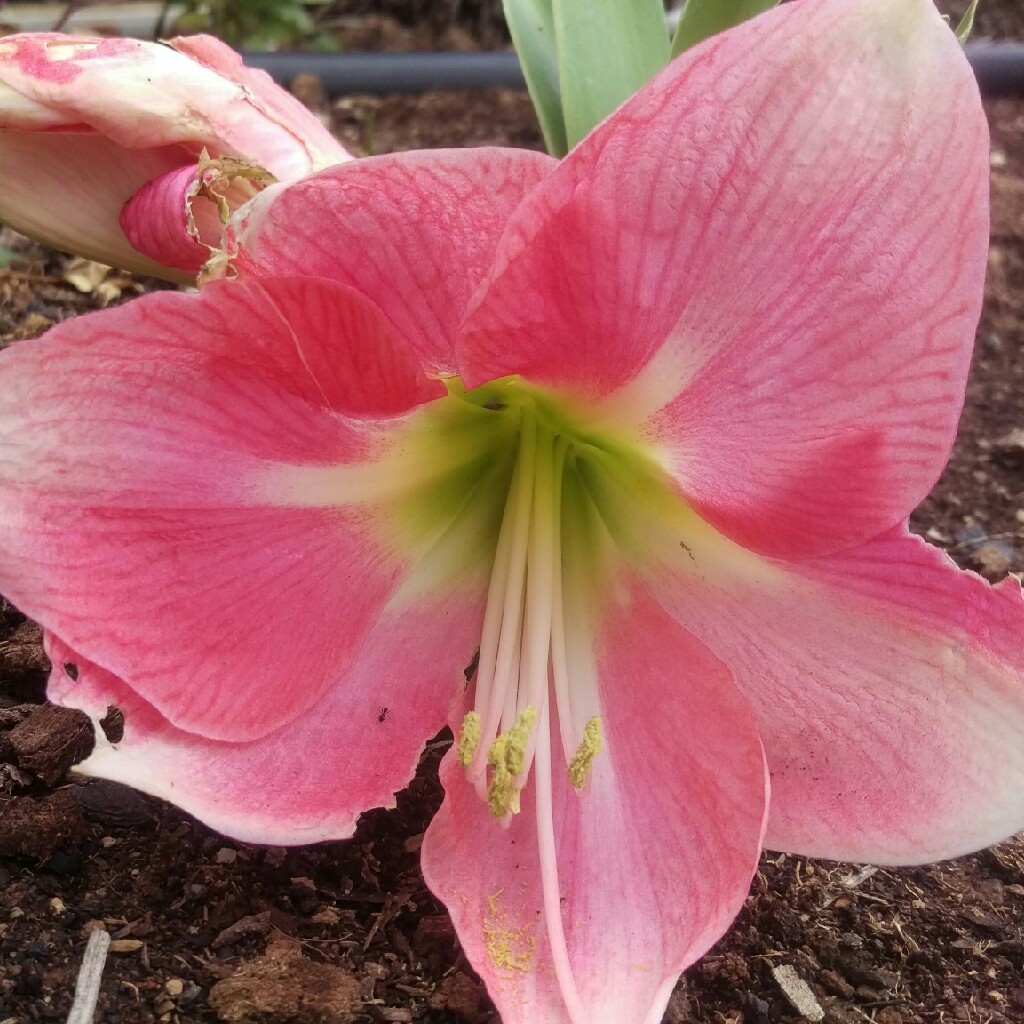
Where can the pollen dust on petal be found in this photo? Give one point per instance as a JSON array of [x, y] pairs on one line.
[[510, 947]]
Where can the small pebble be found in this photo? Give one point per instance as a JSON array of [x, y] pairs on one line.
[[994, 556], [174, 987], [225, 855], [798, 992], [302, 887], [191, 993], [126, 945]]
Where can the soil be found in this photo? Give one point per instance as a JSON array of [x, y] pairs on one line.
[[207, 929]]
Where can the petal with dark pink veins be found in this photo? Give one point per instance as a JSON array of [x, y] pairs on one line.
[[755, 262]]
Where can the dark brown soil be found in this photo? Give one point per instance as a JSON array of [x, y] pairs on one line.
[[207, 929]]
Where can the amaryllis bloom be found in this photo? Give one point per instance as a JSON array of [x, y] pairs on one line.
[[132, 153], [606, 463]]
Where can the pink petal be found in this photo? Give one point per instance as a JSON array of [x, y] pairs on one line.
[[415, 232], [888, 687], [755, 263], [654, 856], [310, 779], [140, 520]]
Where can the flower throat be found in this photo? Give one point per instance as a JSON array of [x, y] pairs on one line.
[[523, 660]]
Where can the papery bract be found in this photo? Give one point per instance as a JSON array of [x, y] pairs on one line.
[[86, 124], [641, 429]]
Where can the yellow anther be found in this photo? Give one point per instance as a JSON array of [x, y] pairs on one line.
[[469, 738], [507, 758], [579, 767]]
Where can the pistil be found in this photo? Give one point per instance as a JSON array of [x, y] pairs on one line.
[[525, 672]]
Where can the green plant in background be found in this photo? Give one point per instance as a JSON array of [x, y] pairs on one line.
[[256, 24], [583, 58], [966, 25], [701, 19]]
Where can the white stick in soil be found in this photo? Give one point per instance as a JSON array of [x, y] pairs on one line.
[[87, 988]]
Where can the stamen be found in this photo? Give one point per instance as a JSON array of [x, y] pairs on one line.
[[559, 661], [499, 655], [523, 651], [510, 708], [582, 762], [469, 738], [507, 758], [533, 670]]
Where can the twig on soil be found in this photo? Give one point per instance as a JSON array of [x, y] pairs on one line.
[[87, 988], [23, 275]]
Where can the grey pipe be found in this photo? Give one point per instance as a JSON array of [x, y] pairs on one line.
[[382, 73], [998, 66]]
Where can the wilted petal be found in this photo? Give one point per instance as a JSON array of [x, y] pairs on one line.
[[141, 95], [415, 232], [143, 517], [654, 855], [756, 263], [178, 218], [302, 143], [86, 122], [155, 221], [79, 213]]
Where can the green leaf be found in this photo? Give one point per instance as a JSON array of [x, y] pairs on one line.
[[8, 256], [607, 50], [966, 26], [702, 19], [532, 26]]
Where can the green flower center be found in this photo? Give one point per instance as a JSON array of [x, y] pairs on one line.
[[545, 469]]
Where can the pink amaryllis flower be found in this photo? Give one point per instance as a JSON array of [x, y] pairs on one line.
[[642, 429], [132, 153]]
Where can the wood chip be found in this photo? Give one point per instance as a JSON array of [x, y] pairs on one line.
[[798, 992], [51, 740], [87, 987], [858, 878]]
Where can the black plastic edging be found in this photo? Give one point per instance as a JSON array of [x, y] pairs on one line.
[[999, 68]]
